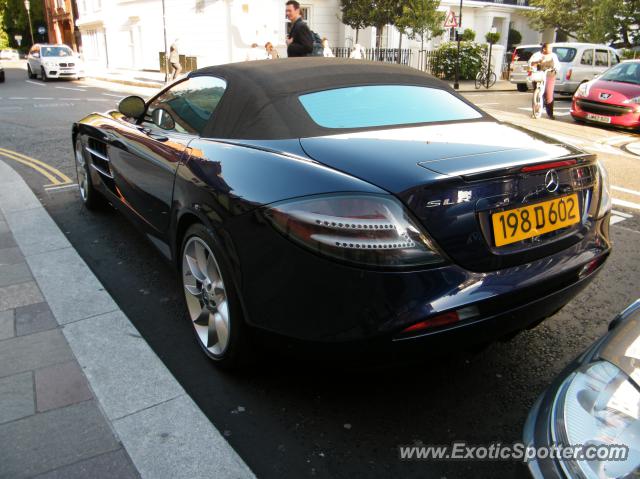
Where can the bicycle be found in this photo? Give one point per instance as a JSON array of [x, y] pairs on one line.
[[485, 76], [539, 77]]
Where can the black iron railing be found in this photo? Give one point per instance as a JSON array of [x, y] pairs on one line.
[[388, 55]]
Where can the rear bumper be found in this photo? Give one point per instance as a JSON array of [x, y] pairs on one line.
[[318, 300]]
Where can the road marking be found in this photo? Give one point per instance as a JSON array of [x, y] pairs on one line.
[[616, 219], [626, 204], [17, 98], [70, 88], [620, 213], [35, 83], [98, 99], [55, 176], [50, 188], [486, 104], [42, 98], [626, 190], [556, 111], [121, 96], [616, 140], [70, 99]]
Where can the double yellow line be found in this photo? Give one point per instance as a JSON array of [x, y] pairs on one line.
[[55, 176]]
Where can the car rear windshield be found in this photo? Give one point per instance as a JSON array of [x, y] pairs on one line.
[[628, 72], [523, 54], [56, 51], [384, 105], [565, 54]]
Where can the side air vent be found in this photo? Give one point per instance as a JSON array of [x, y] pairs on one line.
[[99, 157]]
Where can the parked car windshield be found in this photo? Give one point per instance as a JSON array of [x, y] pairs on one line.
[[565, 54], [623, 72], [382, 105], [56, 51]]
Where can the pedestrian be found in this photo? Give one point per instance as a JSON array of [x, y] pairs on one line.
[[326, 50], [174, 60], [357, 53], [546, 60], [300, 39], [272, 53], [255, 53]]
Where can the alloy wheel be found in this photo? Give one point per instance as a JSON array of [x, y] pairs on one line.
[[206, 296], [81, 169]]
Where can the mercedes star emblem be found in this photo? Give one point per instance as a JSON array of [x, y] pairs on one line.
[[551, 181]]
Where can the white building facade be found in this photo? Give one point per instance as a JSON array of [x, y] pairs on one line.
[[130, 34]]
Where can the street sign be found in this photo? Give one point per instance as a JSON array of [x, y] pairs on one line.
[[41, 30], [18, 39], [451, 21]]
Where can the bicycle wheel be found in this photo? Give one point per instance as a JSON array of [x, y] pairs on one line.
[[536, 103], [479, 80], [492, 79]]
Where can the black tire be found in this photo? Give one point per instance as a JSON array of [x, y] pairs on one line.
[[237, 352], [30, 74], [1, 77], [479, 80], [43, 74], [522, 87], [90, 197], [492, 79]]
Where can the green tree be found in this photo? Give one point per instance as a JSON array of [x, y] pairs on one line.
[[383, 13], [492, 37], [514, 38], [14, 20], [468, 35], [355, 13], [599, 21], [419, 19]]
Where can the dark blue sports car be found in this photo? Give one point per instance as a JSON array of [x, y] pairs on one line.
[[334, 201]]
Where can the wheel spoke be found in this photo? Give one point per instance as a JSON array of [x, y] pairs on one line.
[[190, 256], [222, 330], [192, 290], [201, 258], [212, 270], [212, 338], [203, 318]]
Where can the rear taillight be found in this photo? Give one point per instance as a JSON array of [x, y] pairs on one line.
[[568, 75], [444, 319], [548, 166], [364, 229]]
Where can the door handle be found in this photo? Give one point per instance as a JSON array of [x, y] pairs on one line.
[[157, 137]]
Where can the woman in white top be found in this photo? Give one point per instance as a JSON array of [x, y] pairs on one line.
[[357, 52], [547, 61], [326, 50]]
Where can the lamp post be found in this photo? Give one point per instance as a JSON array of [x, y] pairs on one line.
[[456, 83], [493, 32], [166, 47], [27, 5]]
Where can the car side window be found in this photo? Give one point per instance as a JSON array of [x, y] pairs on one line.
[[614, 58], [187, 106], [602, 58], [587, 58]]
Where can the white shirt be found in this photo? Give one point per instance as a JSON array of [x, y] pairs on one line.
[[538, 56]]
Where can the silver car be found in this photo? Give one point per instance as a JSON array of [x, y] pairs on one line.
[[580, 62]]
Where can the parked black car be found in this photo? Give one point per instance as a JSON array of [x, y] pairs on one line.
[[335, 201]]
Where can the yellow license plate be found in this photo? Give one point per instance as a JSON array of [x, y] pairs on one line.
[[519, 224]]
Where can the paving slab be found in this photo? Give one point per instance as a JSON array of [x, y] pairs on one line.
[[47, 441], [154, 436], [18, 295], [111, 465], [10, 255], [35, 231], [7, 324], [70, 301], [19, 196], [6, 240], [60, 385], [14, 274], [121, 367], [34, 351], [16, 398], [34, 318]]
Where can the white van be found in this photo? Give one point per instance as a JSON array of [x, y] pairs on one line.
[[580, 62]]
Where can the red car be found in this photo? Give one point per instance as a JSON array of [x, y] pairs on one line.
[[613, 98]]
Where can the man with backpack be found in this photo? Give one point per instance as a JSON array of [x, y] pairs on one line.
[[300, 39]]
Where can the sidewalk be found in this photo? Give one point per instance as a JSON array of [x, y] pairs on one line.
[[500, 85], [81, 393]]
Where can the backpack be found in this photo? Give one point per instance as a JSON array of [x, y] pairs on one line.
[[318, 49]]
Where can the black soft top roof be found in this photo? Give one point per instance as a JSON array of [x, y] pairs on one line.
[[261, 100]]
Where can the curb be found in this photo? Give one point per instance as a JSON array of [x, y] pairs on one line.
[[161, 428]]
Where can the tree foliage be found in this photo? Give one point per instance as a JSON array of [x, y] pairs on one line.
[[14, 21], [514, 38], [599, 21], [445, 58], [420, 19], [492, 37], [355, 13], [468, 35]]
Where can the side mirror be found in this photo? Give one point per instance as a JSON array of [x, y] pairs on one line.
[[132, 107], [163, 119]]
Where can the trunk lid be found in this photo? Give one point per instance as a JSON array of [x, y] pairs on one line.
[[453, 177]]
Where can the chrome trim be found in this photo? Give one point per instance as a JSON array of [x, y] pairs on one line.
[[94, 152], [101, 171]]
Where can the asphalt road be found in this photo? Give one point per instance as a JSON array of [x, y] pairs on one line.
[[300, 418]]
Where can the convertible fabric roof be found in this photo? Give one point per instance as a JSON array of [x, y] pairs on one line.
[[261, 100]]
